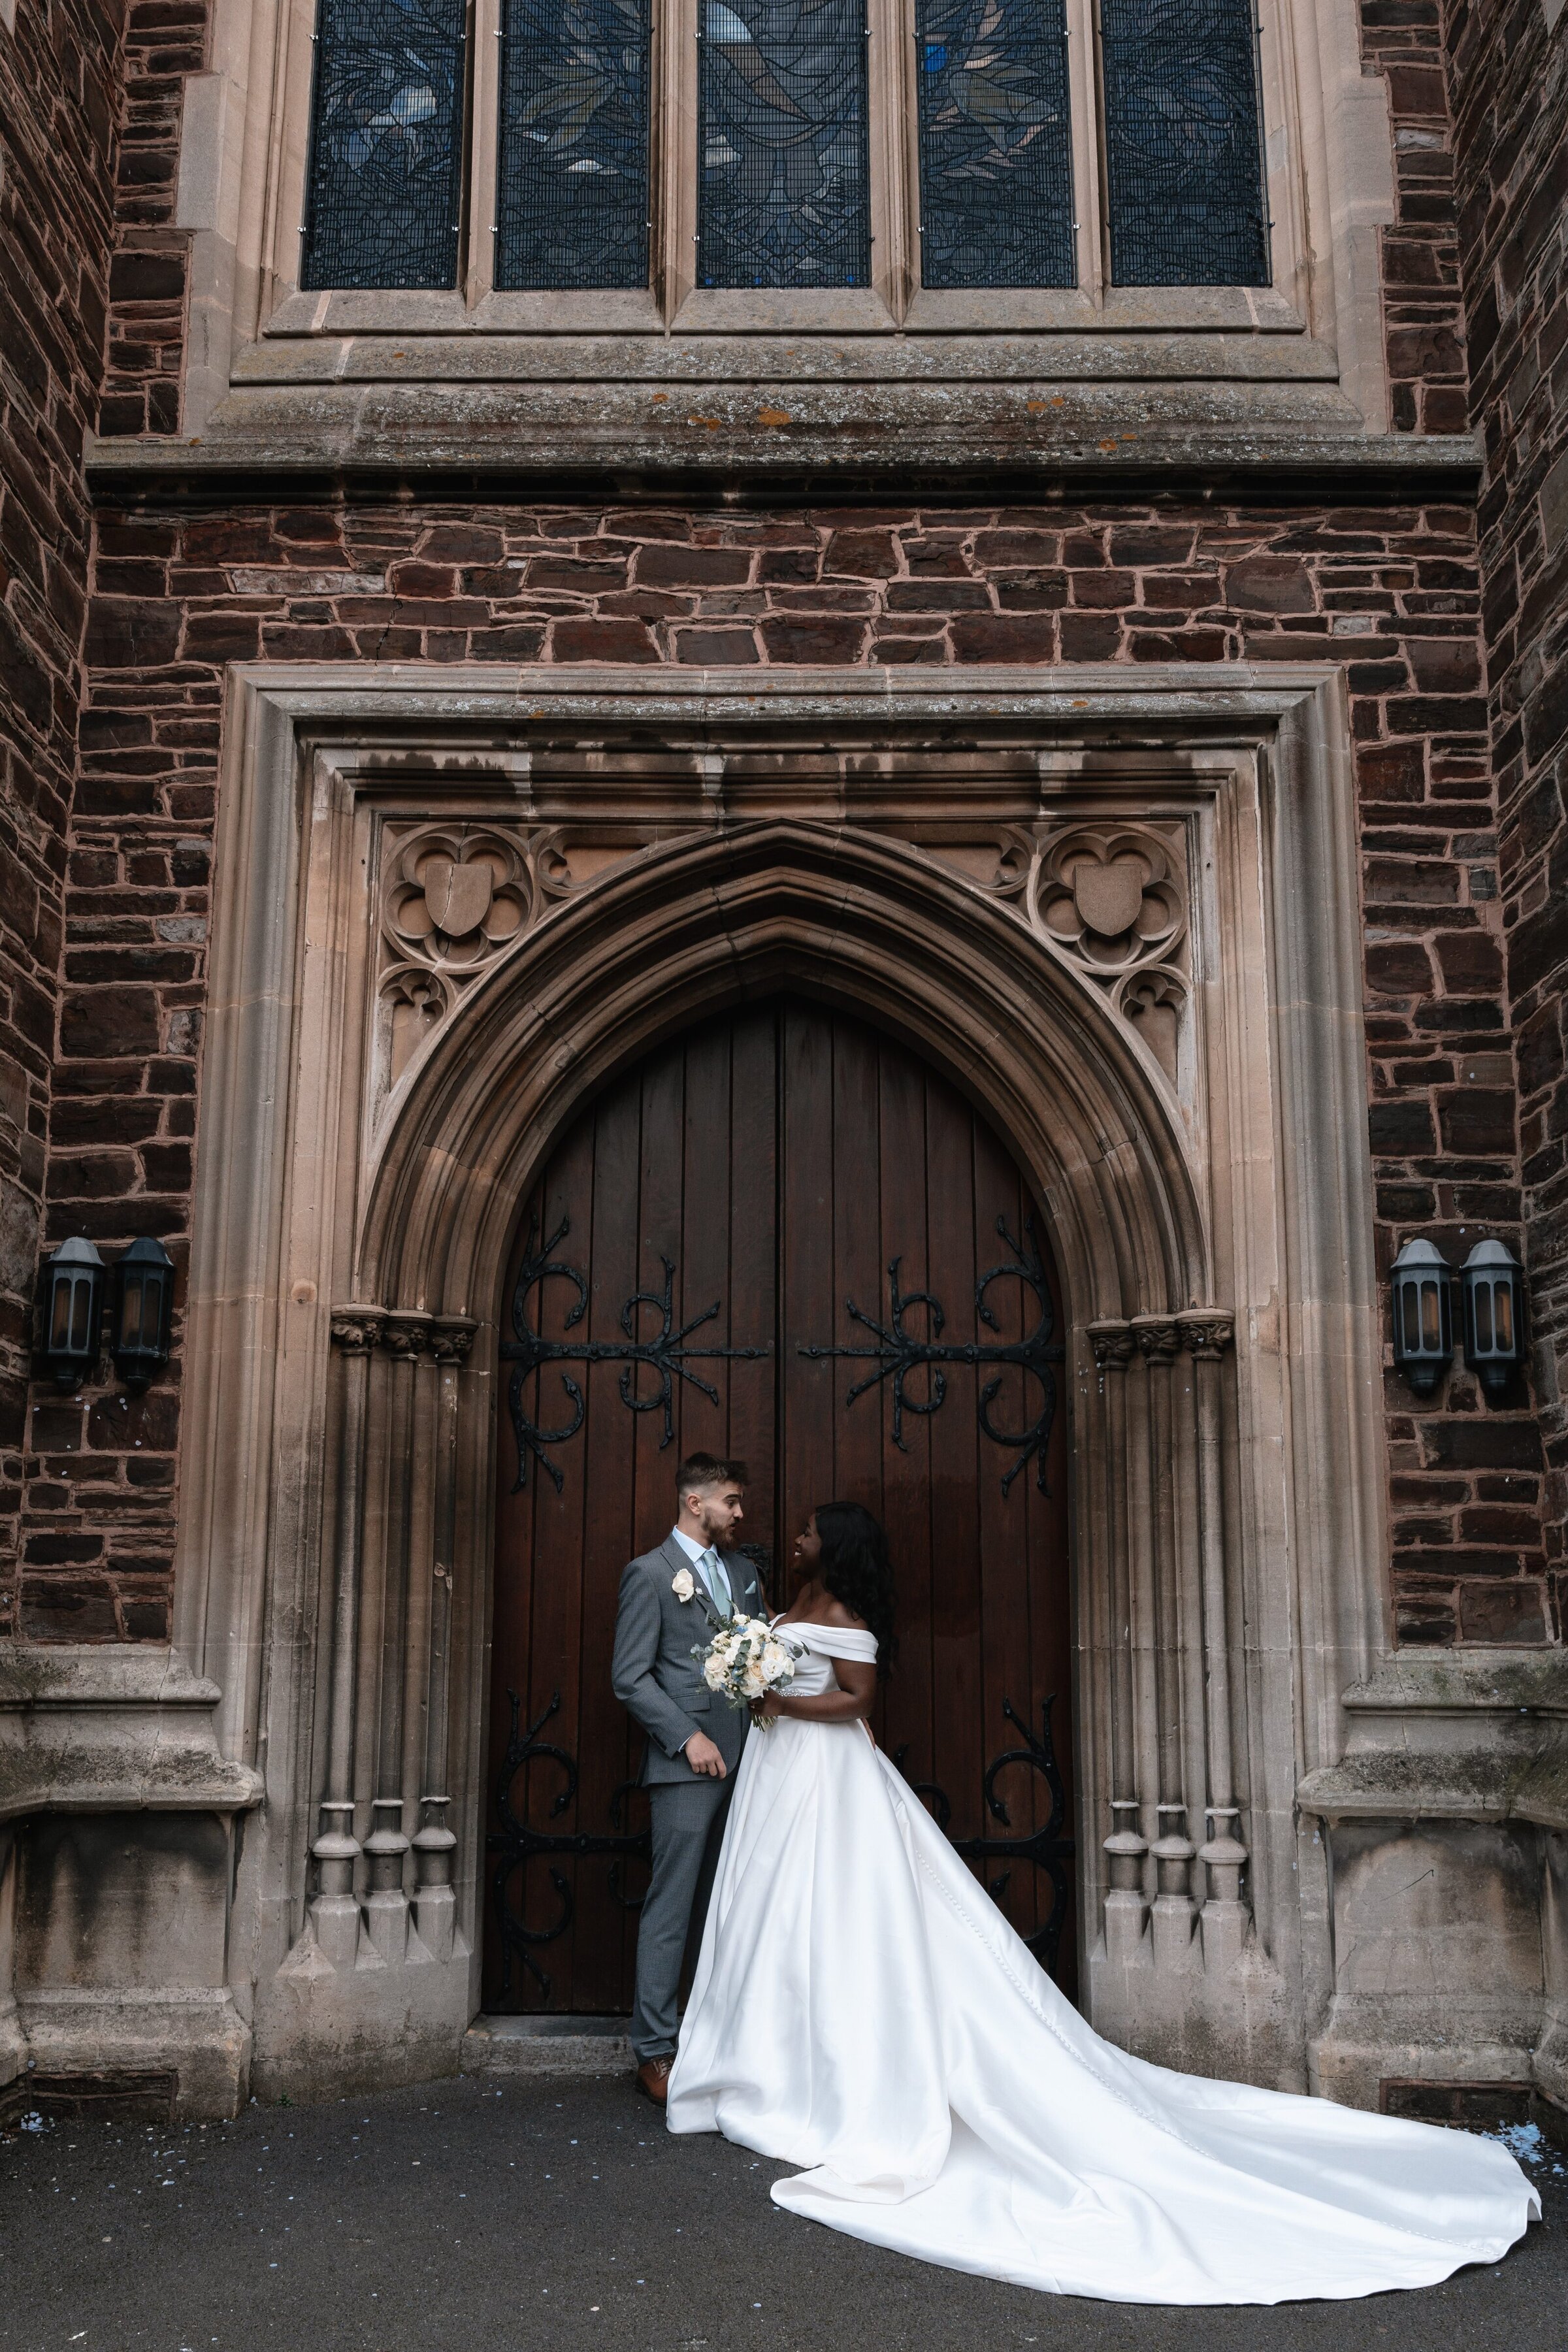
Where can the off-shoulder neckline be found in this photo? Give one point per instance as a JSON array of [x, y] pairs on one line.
[[787, 1623], [828, 1635]]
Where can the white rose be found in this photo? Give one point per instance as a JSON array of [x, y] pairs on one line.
[[681, 1584], [752, 1684], [713, 1673]]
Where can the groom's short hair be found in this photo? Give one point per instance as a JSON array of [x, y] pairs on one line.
[[699, 1471]]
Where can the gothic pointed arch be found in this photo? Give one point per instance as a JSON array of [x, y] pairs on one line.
[[711, 919]]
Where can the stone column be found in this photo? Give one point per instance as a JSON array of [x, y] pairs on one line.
[[1170, 1919], [334, 1910], [404, 1336], [1113, 1344], [1159, 1342], [1193, 1782], [1207, 1333], [1126, 1905], [435, 1844], [1142, 1621]]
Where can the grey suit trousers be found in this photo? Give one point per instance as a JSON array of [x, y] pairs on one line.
[[688, 1832]]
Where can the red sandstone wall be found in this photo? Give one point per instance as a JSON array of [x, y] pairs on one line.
[[1423, 313], [1511, 83], [164, 41], [1395, 594], [56, 119]]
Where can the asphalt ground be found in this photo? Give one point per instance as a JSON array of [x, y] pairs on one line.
[[533, 2215]]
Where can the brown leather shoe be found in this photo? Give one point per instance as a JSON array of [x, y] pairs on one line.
[[653, 2079]]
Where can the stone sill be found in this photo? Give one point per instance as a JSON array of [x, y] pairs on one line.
[[772, 317], [377, 354], [1019, 440], [111, 1728], [1466, 1736]]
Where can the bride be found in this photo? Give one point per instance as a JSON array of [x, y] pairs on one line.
[[862, 2010]]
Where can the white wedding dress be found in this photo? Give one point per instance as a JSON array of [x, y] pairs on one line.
[[862, 2010]]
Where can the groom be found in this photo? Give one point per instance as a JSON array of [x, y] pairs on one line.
[[671, 1600]]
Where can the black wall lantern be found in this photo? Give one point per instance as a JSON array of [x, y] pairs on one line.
[[1423, 1315], [1493, 1283], [143, 1304], [1494, 1299], [72, 1316]]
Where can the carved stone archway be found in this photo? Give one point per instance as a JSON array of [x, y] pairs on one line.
[[1091, 908]]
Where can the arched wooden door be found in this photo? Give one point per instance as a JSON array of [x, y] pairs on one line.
[[784, 1236]]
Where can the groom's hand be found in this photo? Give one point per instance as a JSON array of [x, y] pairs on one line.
[[703, 1756]]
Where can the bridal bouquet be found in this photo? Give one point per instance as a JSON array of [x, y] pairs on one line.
[[744, 1661]]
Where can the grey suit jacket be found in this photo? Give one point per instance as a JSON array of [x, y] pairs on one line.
[[653, 1672]]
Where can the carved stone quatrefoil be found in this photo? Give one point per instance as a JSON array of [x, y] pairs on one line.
[[1112, 898], [455, 897]]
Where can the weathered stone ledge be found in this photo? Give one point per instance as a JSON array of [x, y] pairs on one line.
[[116, 1728], [981, 442], [1464, 1682], [1459, 1736]]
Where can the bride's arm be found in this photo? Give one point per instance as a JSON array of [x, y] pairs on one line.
[[850, 1703]]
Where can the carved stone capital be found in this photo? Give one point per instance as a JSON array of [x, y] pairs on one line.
[[1112, 1342], [1157, 1336], [1206, 1331], [407, 1333], [357, 1329], [451, 1337]]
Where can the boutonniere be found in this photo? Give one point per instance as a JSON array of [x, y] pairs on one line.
[[683, 1584]]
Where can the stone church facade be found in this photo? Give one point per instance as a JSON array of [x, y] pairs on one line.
[[420, 703]]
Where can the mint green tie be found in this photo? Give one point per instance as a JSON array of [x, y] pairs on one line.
[[718, 1583]]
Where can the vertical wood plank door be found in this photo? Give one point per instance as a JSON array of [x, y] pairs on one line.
[[783, 1235]]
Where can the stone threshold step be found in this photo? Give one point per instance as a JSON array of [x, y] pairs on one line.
[[546, 2045]]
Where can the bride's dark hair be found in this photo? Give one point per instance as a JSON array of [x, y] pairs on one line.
[[856, 1571]]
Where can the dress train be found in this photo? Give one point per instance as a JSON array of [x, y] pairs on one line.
[[862, 2010]]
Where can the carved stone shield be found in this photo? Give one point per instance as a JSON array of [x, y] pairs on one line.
[[458, 896], [1108, 898]]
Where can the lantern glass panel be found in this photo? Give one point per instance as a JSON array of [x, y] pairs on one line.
[[1500, 1302], [130, 1311], [1431, 1317], [61, 1319], [81, 1303]]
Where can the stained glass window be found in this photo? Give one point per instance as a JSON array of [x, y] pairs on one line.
[[572, 202], [386, 173], [995, 143], [782, 172], [1184, 144]]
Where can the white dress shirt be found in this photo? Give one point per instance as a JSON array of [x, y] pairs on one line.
[[714, 1576]]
